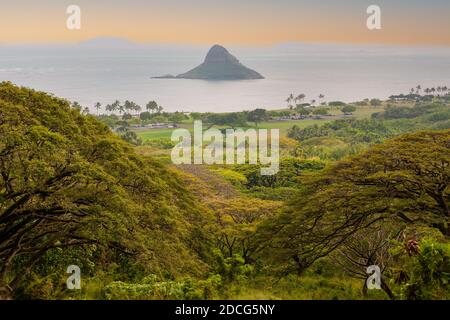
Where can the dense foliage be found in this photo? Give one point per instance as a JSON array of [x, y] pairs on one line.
[[339, 138], [349, 194], [401, 183], [66, 181]]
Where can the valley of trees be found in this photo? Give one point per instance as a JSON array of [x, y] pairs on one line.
[[351, 193]]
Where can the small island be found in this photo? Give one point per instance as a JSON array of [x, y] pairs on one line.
[[219, 64]]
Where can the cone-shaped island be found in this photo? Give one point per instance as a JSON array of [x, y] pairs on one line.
[[219, 64]]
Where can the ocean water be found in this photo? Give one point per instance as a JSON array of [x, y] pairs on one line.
[[89, 74]]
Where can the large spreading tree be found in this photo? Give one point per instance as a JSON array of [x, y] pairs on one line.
[[404, 181], [66, 181]]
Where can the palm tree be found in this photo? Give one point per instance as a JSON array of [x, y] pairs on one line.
[[301, 97], [85, 110], [289, 99], [137, 108], [152, 106], [321, 97], [418, 88], [291, 96], [115, 105], [76, 105], [129, 105], [97, 106]]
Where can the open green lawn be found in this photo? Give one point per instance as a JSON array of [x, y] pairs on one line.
[[154, 134], [283, 126]]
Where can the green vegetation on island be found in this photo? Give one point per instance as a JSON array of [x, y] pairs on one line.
[[219, 64]]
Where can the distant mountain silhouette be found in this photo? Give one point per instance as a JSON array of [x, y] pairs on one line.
[[107, 42], [219, 64]]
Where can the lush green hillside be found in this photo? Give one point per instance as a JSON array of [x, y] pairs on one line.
[[367, 209], [71, 192], [349, 194], [336, 139]]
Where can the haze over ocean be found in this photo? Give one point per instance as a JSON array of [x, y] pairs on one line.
[[108, 69]]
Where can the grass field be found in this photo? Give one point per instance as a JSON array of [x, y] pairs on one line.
[[283, 126]]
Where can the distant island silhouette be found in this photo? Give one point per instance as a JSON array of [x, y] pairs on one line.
[[219, 64]]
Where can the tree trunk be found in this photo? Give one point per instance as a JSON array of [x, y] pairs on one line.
[[364, 289], [5, 293], [300, 266], [386, 289]]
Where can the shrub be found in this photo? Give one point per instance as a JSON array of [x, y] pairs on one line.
[[430, 278], [232, 268], [439, 116], [150, 288], [236, 178], [161, 143], [131, 137]]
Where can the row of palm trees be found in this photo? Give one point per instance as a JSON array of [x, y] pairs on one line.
[[431, 91], [294, 100], [126, 107]]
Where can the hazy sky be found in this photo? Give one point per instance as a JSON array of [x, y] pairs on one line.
[[243, 22]]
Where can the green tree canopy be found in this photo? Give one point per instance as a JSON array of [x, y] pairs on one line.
[[405, 180], [257, 116], [67, 181], [348, 109]]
